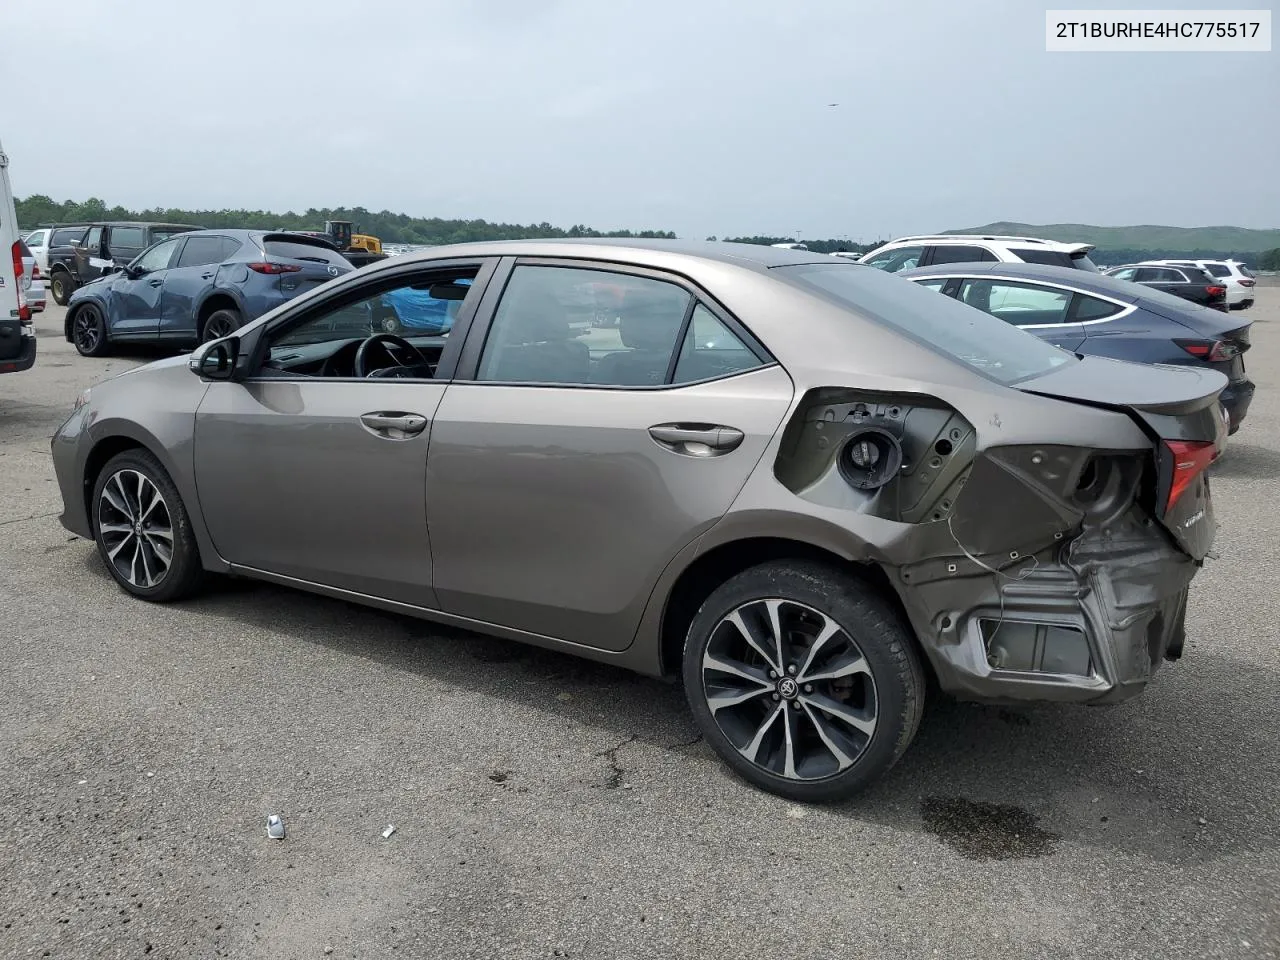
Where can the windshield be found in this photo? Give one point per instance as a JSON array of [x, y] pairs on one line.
[[955, 330]]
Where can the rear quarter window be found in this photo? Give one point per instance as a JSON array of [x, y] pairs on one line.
[[1218, 269], [291, 250], [1051, 258]]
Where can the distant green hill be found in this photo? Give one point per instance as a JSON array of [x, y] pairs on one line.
[[1184, 239]]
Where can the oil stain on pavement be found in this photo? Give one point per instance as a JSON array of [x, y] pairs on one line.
[[986, 831]]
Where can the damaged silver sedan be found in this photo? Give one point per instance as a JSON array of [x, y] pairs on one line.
[[804, 484]]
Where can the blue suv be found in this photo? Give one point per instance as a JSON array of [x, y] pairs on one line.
[[198, 286]]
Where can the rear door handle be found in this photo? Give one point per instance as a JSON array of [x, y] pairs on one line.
[[394, 426], [697, 439]]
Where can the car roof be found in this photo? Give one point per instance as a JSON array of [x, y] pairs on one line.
[[757, 256], [1064, 276], [1002, 240]]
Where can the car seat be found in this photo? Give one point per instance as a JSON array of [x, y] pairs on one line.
[[535, 344], [650, 330]]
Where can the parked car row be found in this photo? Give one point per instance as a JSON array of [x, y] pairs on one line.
[[1222, 284], [1166, 312]]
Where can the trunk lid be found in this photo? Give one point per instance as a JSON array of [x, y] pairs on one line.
[[1178, 408]]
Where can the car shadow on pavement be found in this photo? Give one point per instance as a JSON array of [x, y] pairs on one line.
[[1247, 461], [1145, 776]]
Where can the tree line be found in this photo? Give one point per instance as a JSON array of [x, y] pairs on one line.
[[387, 226], [401, 228]]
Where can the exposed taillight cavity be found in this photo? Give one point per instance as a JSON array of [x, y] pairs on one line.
[[1213, 351], [268, 267], [1190, 459], [24, 311]]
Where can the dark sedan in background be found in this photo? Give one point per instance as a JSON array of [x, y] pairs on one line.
[[1098, 315], [1186, 282], [198, 286]]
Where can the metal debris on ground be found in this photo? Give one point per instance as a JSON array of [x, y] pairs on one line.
[[391, 828], [275, 827]]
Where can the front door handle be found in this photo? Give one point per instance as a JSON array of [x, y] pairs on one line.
[[696, 439], [155, 283], [394, 426]]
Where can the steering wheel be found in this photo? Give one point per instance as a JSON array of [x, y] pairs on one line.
[[383, 340]]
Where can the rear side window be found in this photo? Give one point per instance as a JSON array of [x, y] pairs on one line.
[[1245, 271], [970, 337], [959, 253], [1218, 269], [1021, 304], [122, 240], [67, 236], [199, 251], [291, 250]]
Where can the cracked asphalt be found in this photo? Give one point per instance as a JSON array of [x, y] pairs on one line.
[[549, 807]]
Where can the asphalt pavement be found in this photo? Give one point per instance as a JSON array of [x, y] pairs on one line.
[[548, 807]]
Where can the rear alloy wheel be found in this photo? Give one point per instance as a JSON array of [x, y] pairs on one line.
[[803, 680], [221, 323], [142, 530], [89, 331], [61, 286]]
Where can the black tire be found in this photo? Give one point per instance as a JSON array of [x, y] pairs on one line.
[[867, 626], [89, 331], [61, 286], [184, 571], [220, 323]]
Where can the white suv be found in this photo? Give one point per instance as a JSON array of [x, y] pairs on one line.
[[1235, 276], [963, 248]]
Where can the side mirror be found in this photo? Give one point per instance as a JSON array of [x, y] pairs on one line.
[[216, 360]]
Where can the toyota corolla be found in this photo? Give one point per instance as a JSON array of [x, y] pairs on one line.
[[803, 484]]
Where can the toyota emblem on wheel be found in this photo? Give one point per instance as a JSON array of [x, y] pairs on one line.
[[788, 688]]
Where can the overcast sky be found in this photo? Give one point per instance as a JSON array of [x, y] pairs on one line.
[[697, 116]]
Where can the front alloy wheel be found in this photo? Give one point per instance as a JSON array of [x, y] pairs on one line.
[[803, 679], [136, 529], [143, 533]]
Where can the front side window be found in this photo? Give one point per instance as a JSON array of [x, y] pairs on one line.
[[933, 284], [413, 316], [164, 233], [93, 241], [125, 240], [157, 258], [571, 325], [901, 258], [945, 326], [1021, 304], [959, 253], [36, 239]]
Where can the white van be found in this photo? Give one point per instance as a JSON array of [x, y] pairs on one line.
[[17, 335]]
